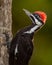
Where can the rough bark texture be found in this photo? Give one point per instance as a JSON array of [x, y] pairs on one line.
[[5, 26]]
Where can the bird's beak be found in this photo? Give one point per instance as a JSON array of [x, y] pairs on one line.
[[27, 12], [30, 15]]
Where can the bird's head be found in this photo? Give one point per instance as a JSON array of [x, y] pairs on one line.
[[38, 17]]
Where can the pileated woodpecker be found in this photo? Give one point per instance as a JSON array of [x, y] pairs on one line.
[[21, 47]]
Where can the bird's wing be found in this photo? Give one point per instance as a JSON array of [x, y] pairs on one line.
[[21, 50]]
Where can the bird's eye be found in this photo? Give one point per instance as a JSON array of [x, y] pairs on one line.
[[37, 16]]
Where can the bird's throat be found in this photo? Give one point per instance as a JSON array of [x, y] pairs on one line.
[[33, 29]]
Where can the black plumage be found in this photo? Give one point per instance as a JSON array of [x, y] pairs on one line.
[[21, 47], [24, 44]]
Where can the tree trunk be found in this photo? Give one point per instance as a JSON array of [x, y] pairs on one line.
[[5, 26]]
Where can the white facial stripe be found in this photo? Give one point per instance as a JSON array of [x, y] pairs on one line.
[[32, 29], [38, 23], [16, 49], [29, 14]]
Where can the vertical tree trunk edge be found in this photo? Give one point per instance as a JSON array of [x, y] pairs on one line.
[[5, 26]]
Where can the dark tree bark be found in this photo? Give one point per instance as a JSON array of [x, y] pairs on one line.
[[5, 26]]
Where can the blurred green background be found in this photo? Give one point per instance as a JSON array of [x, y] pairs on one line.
[[42, 54]]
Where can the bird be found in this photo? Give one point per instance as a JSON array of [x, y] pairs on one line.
[[21, 47]]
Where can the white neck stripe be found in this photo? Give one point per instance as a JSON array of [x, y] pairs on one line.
[[16, 49], [32, 29]]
